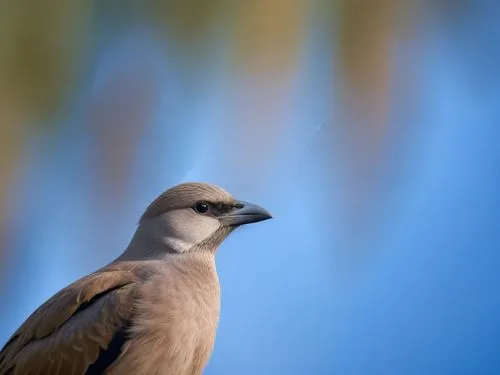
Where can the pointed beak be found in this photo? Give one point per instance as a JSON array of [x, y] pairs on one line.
[[245, 213]]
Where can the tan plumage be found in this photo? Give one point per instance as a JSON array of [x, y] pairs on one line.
[[154, 310]]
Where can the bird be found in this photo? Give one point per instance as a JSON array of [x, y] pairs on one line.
[[153, 310]]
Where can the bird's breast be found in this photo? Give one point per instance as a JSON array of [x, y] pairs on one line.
[[177, 317]]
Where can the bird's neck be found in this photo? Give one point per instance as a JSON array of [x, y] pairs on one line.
[[145, 245], [148, 244]]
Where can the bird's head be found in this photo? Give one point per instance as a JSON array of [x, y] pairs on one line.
[[197, 216]]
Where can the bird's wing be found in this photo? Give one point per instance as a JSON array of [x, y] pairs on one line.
[[80, 330]]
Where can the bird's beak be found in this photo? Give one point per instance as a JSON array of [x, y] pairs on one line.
[[245, 213]]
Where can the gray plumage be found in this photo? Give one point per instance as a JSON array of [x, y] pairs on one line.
[[154, 310]]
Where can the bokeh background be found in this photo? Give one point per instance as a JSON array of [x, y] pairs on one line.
[[370, 129]]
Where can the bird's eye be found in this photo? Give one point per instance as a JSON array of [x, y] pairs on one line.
[[201, 207]]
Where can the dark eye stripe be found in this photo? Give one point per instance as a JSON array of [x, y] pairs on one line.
[[205, 208]]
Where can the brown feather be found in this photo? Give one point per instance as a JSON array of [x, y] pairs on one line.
[[80, 319], [183, 194]]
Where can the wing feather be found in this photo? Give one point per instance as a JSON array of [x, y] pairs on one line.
[[74, 328]]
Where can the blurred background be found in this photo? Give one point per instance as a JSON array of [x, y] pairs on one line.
[[370, 129]]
